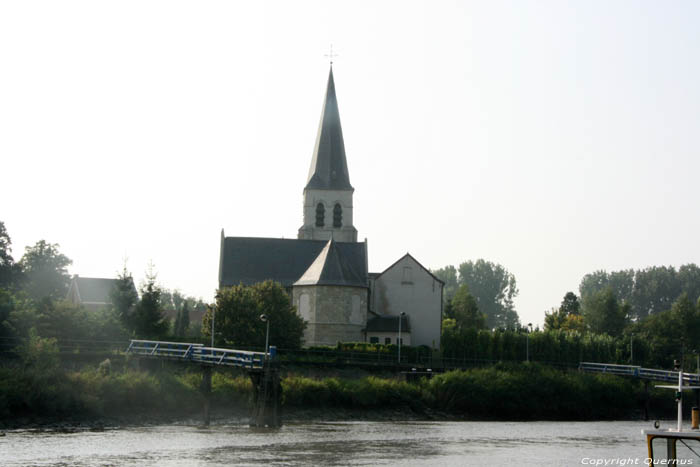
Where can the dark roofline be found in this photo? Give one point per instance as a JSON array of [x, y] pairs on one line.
[[417, 262]]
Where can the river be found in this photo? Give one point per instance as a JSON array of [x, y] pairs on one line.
[[332, 444]]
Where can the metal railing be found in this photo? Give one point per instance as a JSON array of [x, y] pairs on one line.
[[197, 353], [638, 372]]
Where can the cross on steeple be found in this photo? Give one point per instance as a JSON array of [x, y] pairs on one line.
[[331, 55]]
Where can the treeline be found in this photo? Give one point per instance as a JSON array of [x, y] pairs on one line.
[[33, 294]]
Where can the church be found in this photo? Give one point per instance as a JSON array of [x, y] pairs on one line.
[[325, 270]]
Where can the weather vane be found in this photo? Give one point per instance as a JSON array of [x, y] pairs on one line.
[[331, 55]]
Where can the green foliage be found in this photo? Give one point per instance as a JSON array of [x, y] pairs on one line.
[[647, 291], [238, 322], [533, 392], [148, 320], [669, 335], [603, 314], [45, 270], [465, 309], [567, 316], [494, 289], [448, 275], [125, 298], [10, 273]]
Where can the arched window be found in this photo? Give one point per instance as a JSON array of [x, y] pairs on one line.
[[337, 215], [320, 214]]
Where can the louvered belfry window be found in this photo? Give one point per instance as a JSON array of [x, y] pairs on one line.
[[320, 214], [337, 215]]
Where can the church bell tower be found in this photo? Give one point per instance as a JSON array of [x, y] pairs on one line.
[[328, 193]]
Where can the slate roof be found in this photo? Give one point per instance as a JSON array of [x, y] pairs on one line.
[[329, 167], [388, 324], [94, 290], [249, 260], [333, 267]]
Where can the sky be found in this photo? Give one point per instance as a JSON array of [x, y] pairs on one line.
[[555, 138]]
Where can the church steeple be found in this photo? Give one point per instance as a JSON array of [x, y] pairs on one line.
[[329, 168], [328, 193]]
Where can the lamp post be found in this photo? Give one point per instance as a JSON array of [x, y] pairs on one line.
[[213, 315], [527, 342], [399, 341], [631, 348], [265, 319]]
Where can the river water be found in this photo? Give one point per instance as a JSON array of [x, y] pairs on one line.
[[333, 443]]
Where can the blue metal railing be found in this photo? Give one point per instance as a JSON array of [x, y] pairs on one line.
[[198, 353], [638, 372]]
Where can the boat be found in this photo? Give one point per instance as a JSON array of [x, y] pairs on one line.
[[675, 446]]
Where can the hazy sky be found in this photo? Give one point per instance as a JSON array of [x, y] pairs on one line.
[[555, 138]]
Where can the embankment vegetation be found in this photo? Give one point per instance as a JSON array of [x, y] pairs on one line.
[[35, 389]]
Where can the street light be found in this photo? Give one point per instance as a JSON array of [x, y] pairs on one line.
[[212, 326], [399, 342], [264, 319], [631, 348], [527, 342]]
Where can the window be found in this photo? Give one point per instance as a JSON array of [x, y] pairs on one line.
[[374, 340], [337, 216], [320, 214], [399, 341], [387, 340], [407, 275]]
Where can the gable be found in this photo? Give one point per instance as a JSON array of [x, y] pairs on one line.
[[408, 261]]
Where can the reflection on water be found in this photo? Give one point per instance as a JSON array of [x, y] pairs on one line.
[[344, 443]]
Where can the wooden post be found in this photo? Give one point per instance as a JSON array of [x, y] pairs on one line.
[[267, 397], [646, 401], [206, 391]]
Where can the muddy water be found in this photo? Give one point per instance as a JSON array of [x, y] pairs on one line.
[[331, 444]]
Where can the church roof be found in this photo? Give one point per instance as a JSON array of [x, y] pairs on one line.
[[329, 168], [332, 267], [93, 290], [249, 260], [388, 324]]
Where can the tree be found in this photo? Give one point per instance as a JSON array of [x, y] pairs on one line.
[[448, 275], [494, 289], [125, 298], [603, 313], [655, 290], [238, 311], [148, 320], [621, 283], [567, 316], [45, 270], [9, 270], [465, 310]]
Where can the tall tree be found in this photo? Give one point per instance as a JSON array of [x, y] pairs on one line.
[[45, 270], [604, 314], [655, 290], [494, 289], [448, 275], [9, 270], [125, 298], [149, 321], [621, 283], [466, 311], [689, 278], [567, 316], [238, 311]]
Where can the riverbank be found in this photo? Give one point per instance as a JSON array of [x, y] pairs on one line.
[[102, 396]]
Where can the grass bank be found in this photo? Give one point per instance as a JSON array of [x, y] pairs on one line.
[[502, 392]]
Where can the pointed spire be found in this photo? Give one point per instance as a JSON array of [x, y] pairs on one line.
[[331, 267], [329, 168]]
